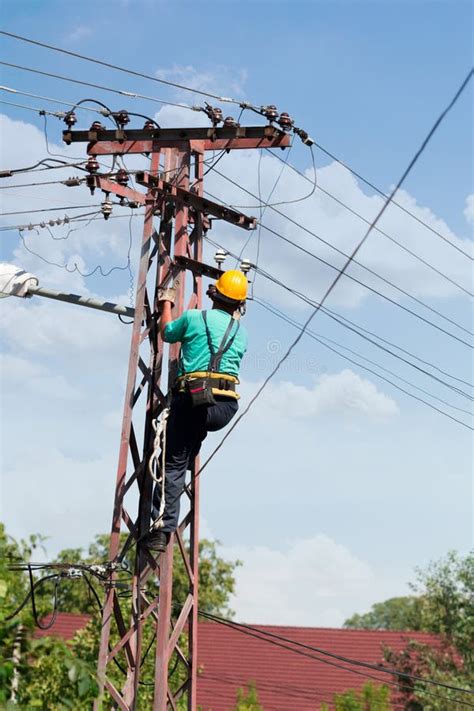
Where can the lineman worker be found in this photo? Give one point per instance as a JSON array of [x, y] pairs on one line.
[[204, 398]]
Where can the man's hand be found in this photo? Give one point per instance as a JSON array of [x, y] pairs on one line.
[[167, 295]]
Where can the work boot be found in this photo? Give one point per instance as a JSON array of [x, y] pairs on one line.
[[156, 541]]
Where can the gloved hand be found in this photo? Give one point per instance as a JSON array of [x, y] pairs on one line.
[[167, 294]]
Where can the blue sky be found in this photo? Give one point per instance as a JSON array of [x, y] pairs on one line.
[[366, 483]]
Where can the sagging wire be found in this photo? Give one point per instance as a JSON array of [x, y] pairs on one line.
[[362, 332], [31, 168], [287, 202], [262, 209], [63, 155], [95, 216], [98, 268], [298, 647], [360, 264]]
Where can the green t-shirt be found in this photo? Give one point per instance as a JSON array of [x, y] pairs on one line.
[[190, 331]]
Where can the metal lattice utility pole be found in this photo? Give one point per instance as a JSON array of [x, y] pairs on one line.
[[173, 252]]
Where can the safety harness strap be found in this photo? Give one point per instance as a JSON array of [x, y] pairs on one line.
[[216, 357]]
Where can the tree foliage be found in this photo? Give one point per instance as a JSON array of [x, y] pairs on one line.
[[370, 698], [397, 613], [443, 604], [57, 676], [247, 699]]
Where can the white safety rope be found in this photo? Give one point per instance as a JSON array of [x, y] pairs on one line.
[[158, 473]]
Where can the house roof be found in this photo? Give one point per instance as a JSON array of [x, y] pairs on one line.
[[285, 681], [65, 626]]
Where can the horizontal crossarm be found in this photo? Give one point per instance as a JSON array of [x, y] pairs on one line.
[[159, 138], [191, 199]]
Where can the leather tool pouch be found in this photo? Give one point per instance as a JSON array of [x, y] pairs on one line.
[[200, 389], [200, 392]]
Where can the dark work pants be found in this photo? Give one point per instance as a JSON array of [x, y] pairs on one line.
[[186, 429]]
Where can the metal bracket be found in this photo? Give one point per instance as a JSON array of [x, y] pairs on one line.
[[198, 268], [190, 199]]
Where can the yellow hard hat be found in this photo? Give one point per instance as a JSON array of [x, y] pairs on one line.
[[233, 285]]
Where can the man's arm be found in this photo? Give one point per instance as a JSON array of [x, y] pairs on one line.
[[165, 317], [166, 299]]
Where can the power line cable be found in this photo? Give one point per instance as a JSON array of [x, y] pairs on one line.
[[397, 204], [380, 668], [337, 318], [36, 110], [282, 202], [11, 90], [360, 264], [34, 185], [48, 209], [34, 168], [67, 220], [331, 287], [333, 284], [223, 99], [378, 229], [128, 94], [325, 342], [370, 288], [360, 331]]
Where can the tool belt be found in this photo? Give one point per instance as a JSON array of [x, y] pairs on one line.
[[202, 387], [200, 384]]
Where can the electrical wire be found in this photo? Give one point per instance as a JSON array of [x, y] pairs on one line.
[[223, 99], [34, 185], [283, 202], [397, 204], [11, 90], [48, 209], [378, 229], [31, 168], [309, 655], [36, 110], [360, 331], [262, 212], [334, 283], [28, 596], [128, 94], [325, 341], [97, 269], [242, 627], [360, 264], [6, 228]]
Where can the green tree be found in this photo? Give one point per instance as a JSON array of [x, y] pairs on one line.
[[216, 577], [397, 613], [247, 700], [13, 589], [61, 676], [446, 588], [443, 604], [370, 698]]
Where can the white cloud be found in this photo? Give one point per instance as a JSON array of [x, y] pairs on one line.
[[67, 500], [469, 209], [80, 32], [43, 327], [219, 80], [106, 243], [27, 378], [344, 393], [312, 581]]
